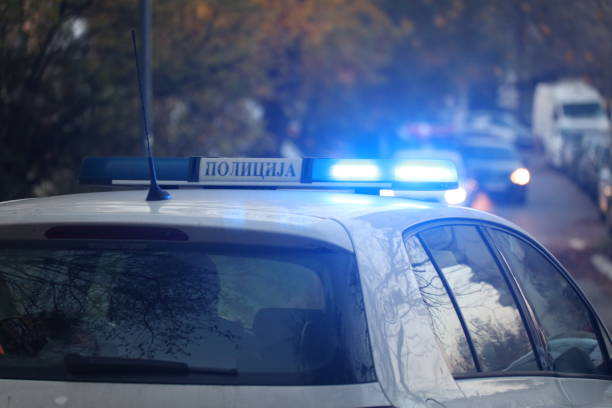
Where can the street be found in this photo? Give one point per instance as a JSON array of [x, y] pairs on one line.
[[566, 221]]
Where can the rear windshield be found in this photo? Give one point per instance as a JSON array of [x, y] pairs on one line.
[[182, 313]]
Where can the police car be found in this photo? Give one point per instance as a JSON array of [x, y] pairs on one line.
[[245, 290]]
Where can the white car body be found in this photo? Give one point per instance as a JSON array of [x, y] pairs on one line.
[[409, 366]]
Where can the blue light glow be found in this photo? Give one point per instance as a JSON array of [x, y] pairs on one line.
[[456, 196], [437, 171], [386, 193], [355, 171]]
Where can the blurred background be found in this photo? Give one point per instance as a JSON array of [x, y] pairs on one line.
[[516, 92]]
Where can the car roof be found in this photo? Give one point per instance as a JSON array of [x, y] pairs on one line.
[[195, 206], [486, 142], [575, 91]]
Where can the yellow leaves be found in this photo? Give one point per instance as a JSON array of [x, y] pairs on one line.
[[290, 19], [545, 29], [203, 11], [406, 27], [26, 27], [526, 7], [456, 10], [439, 21]]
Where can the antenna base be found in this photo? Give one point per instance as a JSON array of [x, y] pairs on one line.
[[157, 194]]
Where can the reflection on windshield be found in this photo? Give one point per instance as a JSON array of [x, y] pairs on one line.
[[446, 325], [249, 309], [484, 299]]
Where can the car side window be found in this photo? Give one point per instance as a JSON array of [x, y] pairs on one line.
[[567, 324], [446, 325], [484, 299]]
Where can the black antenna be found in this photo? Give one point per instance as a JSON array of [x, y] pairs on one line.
[[155, 192]]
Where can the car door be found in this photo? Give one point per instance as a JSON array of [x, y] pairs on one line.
[[481, 322]]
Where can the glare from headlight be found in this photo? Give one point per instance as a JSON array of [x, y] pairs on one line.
[[456, 196], [520, 176]]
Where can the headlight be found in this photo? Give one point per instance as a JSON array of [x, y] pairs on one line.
[[456, 196], [520, 176]]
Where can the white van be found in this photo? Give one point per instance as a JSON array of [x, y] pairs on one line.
[[562, 112]]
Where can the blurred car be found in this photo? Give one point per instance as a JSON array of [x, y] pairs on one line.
[[604, 187], [593, 153], [569, 153], [497, 169], [243, 290], [604, 192], [502, 125], [462, 195]]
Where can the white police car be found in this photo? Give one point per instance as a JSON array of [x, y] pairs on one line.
[[262, 297]]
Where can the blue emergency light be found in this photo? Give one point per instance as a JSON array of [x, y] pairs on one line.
[[400, 174]]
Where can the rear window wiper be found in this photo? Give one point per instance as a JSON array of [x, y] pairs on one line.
[[77, 364]]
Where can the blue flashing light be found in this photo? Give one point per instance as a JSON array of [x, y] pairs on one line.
[[341, 170], [420, 171], [355, 171], [105, 170]]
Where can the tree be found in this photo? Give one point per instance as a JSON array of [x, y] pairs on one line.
[[60, 86]]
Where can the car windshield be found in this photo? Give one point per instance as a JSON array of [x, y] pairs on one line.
[[267, 316], [586, 110], [487, 153]]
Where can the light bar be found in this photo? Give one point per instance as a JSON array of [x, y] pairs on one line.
[[274, 172]]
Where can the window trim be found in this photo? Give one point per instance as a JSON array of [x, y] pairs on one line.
[[599, 327], [524, 308], [543, 373], [545, 364]]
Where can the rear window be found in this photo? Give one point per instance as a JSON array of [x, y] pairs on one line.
[[182, 313]]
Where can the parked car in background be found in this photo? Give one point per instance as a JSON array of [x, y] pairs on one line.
[[591, 157], [604, 189], [502, 125], [569, 152], [497, 169]]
